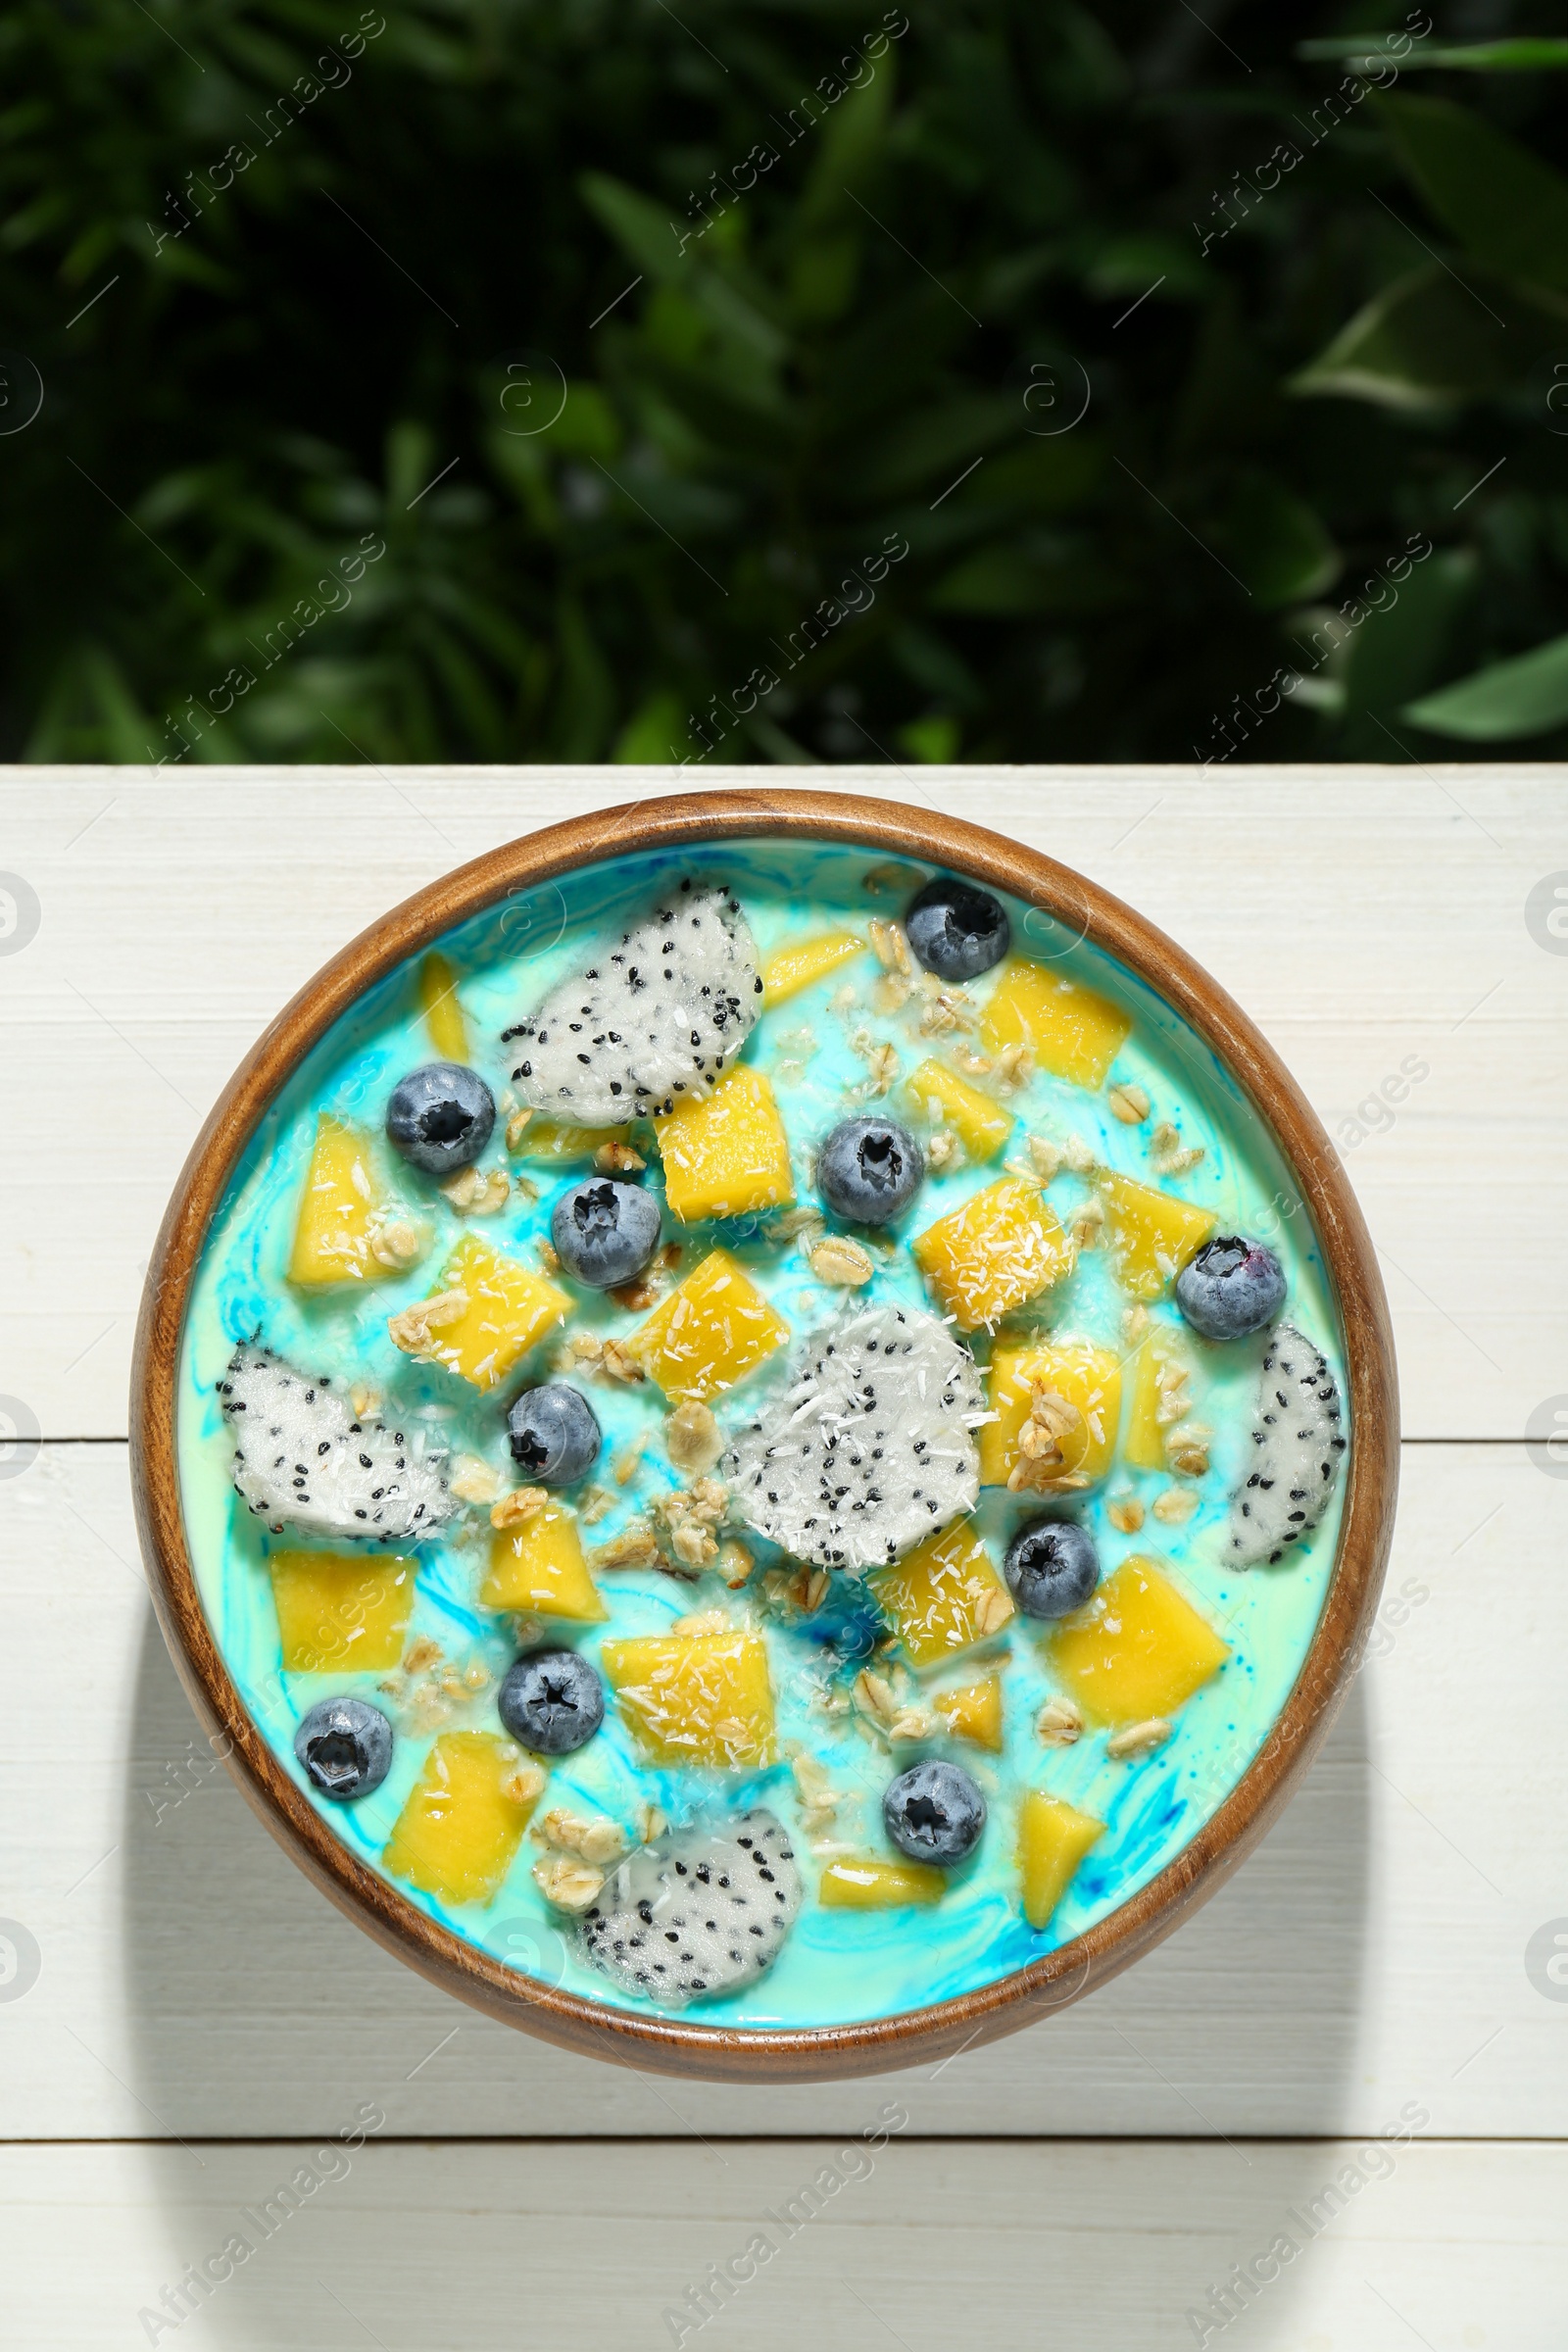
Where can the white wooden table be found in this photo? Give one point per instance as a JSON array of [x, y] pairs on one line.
[[188, 2022]]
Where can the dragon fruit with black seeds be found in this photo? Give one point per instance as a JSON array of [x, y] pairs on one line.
[[1297, 1441], [302, 1459], [872, 1446], [699, 1911], [651, 1021]]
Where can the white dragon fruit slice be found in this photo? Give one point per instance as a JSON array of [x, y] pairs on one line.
[[870, 1447], [697, 1911], [1296, 1443], [646, 1022], [303, 1459]]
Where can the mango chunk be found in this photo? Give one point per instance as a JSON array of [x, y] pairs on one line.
[[710, 1332], [561, 1143], [462, 1821], [1137, 1649], [1072, 1031], [1086, 1378], [943, 1596], [1151, 1234], [873, 1884], [340, 1611], [338, 1213], [791, 968], [1000, 1249], [979, 1123], [1053, 1838], [728, 1154], [694, 1699], [1158, 1399], [510, 1308], [973, 1712], [1144, 1446], [442, 1010], [539, 1565]]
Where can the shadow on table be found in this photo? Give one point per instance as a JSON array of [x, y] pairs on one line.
[[258, 2012]]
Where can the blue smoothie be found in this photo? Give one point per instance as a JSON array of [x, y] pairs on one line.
[[1167, 1115]]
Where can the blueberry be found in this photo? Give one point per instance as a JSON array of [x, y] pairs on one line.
[[1052, 1567], [554, 1434], [934, 1812], [869, 1169], [440, 1117], [345, 1746], [1231, 1287], [957, 931], [552, 1701], [605, 1233]]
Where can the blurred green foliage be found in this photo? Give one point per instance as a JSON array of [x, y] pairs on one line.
[[549, 379]]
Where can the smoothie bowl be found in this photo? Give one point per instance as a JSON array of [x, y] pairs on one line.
[[766, 1432]]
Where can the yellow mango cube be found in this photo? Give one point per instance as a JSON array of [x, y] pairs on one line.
[[791, 968], [1144, 1446], [1159, 1369], [943, 1596], [1137, 1649], [1001, 1247], [728, 1154], [1087, 1378], [1072, 1031], [694, 1699], [710, 1332], [1151, 1233], [539, 1565], [338, 1612], [978, 1120], [443, 1012], [509, 1308], [338, 1213], [462, 1821], [973, 1712], [875, 1885], [561, 1143], [1053, 1838]]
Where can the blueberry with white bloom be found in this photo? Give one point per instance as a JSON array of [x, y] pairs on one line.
[[957, 931], [555, 1433], [1052, 1567], [934, 1812], [440, 1117], [345, 1748], [605, 1233], [869, 1169], [553, 1701], [1231, 1288]]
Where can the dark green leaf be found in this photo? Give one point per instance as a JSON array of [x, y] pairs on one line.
[[1401, 631], [1276, 542], [1368, 49], [1505, 206], [646, 740], [1510, 699], [1432, 338], [935, 739], [1001, 580], [927, 449]]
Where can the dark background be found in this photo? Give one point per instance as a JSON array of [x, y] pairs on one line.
[[1307, 327]]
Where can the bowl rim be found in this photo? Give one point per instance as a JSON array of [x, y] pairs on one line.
[[680, 2044]]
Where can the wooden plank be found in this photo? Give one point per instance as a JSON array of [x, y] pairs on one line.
[[1373, 1949], [1366, 918], [840, 2242]]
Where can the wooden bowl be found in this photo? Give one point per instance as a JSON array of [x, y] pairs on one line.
[[681, 2046]]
